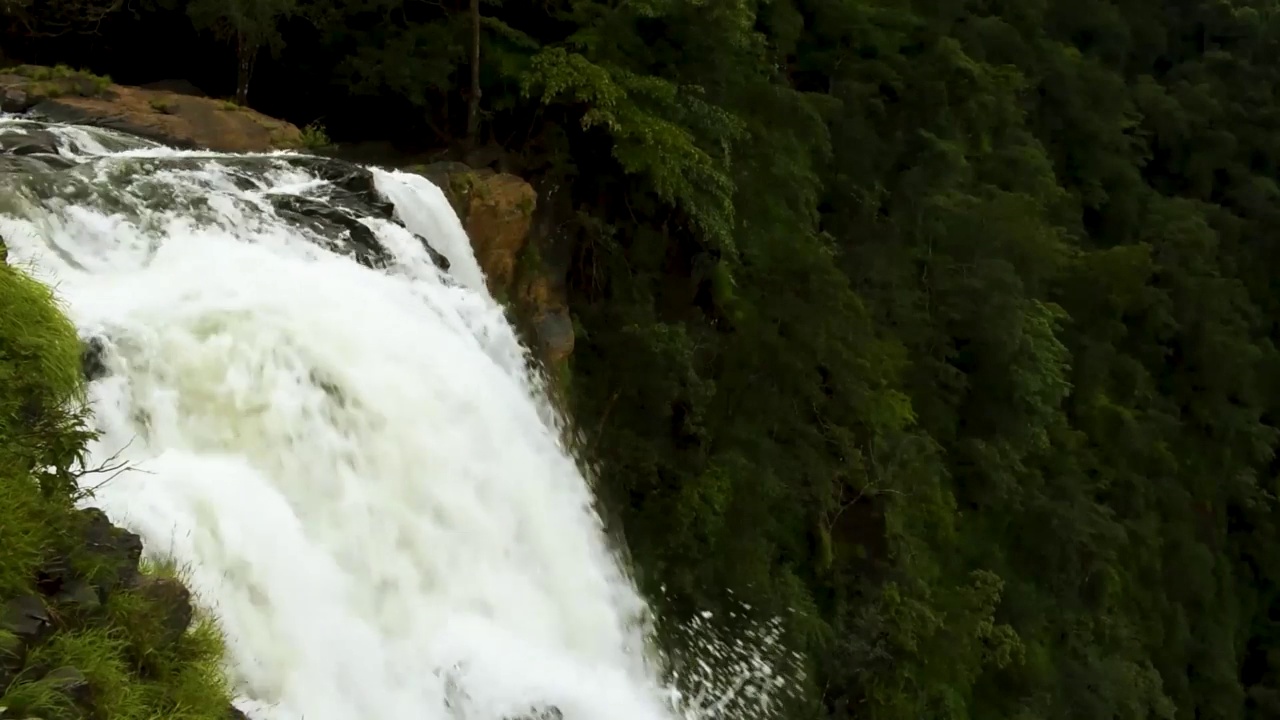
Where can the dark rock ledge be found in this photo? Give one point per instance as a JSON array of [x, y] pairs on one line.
[[67, 600]]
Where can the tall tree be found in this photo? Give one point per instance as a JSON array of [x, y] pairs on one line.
[[474, 92], [250, 25]]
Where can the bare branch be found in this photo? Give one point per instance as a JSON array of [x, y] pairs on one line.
[[112, 466], [42, 19]]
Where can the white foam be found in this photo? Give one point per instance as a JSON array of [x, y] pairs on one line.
[[353, 463]]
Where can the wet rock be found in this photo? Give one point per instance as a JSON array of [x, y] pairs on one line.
[[26, 618], [14, 99], [33, 164], [93, 359], [78, 599], [437, 257], [29, 142], [549, 712], [29, 148], [353, 186], [71, 684], [12, 164], [32, 150], [332, 211], [78, 604], [235, 713], [555, 334], [172, 603], [118, 552], [336, 214], [24, 622], [345, 232]]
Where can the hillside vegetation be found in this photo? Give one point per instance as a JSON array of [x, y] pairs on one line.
[[945, 330], [83, 632]]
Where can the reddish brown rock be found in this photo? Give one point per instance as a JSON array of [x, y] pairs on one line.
[[497, 210], [498, 213], [173, 118]]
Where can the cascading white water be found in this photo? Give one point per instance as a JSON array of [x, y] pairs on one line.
[[352, 462]]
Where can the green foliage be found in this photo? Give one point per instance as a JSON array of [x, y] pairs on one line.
[[945, 331], [314, 137], [182, 682], [250, 23], [942, 330], [633, 109], [979, 375], [162, 105], [40, 377], [134, 672], [62, 80]]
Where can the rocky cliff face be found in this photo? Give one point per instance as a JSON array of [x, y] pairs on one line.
[[501, 212]]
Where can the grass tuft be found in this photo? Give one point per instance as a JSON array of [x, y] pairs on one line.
[[165, 106], [124, 660], [41, 425], [61, 80], [314, 137]]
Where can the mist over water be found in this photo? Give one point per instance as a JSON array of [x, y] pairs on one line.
[[345, 447]]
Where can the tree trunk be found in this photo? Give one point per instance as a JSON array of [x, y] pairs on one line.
[[246, 54], [473, 98]]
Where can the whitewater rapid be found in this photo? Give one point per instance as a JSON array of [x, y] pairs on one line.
[[352, 464]]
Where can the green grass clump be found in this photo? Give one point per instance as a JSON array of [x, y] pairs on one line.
[[62, 80], [134, 666], [41, 425], [40, 354], [163, 105], [131, 677], [314, 137]]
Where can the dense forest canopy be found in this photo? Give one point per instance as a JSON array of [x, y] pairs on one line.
[[943, 329]]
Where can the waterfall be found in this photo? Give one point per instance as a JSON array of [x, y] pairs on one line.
[[322, 415]]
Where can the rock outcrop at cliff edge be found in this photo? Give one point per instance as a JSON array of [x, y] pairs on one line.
[[497, 210], [155, 113], [55, 641]]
